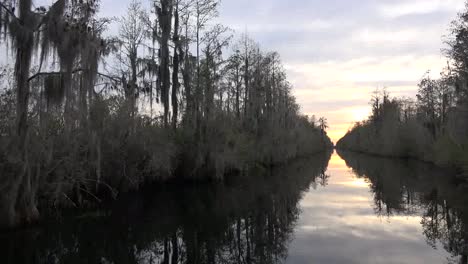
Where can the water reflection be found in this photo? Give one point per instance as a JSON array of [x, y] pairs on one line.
[[358, 209], [418, 190], [376, 212], [245, 220]]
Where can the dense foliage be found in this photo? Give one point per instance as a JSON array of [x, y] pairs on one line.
[[434, 126], [85, 116]]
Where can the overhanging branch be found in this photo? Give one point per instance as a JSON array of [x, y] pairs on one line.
[[39, 74], [8, 11]]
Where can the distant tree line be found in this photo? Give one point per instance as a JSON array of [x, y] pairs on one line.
[[84, 116], [431, 127]]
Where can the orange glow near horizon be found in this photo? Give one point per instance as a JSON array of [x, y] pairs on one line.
[[338, 131], [336, 134], [340, 91], [336, 162]]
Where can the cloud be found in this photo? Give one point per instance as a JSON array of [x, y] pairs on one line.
[[418, 7], [289, 26], [379, 36]]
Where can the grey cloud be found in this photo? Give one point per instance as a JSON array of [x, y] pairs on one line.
[[345, 18], [387, 83]]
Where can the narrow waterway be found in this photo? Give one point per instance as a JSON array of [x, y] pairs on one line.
[[317, 210], [380, 211]]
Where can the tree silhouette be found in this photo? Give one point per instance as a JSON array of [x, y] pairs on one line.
[[323, 124]]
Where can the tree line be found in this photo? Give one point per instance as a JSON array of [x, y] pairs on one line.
[[431, 127], [87, 112]]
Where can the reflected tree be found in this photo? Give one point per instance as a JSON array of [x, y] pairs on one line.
[[243, 220], [411, 187]]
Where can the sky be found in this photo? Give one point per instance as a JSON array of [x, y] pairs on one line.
[[337, 52]]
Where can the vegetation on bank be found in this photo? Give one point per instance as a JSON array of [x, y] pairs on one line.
[[84, 116], [434, 126]]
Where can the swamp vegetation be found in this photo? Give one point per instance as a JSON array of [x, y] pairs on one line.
[[86, 116]]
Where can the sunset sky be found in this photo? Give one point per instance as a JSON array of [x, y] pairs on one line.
[[337, 52]]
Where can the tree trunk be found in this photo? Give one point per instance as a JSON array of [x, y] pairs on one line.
[[197, 88], [186, 76], [175, 249], [175, 71], [133, 84], [18, 201], [238, 87], [246, 83], [165, 19]]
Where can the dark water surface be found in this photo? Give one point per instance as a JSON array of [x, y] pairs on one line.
[[316, 210]]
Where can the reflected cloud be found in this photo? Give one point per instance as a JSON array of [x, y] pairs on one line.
[[342, 223], [418, 196], [355, 183]]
